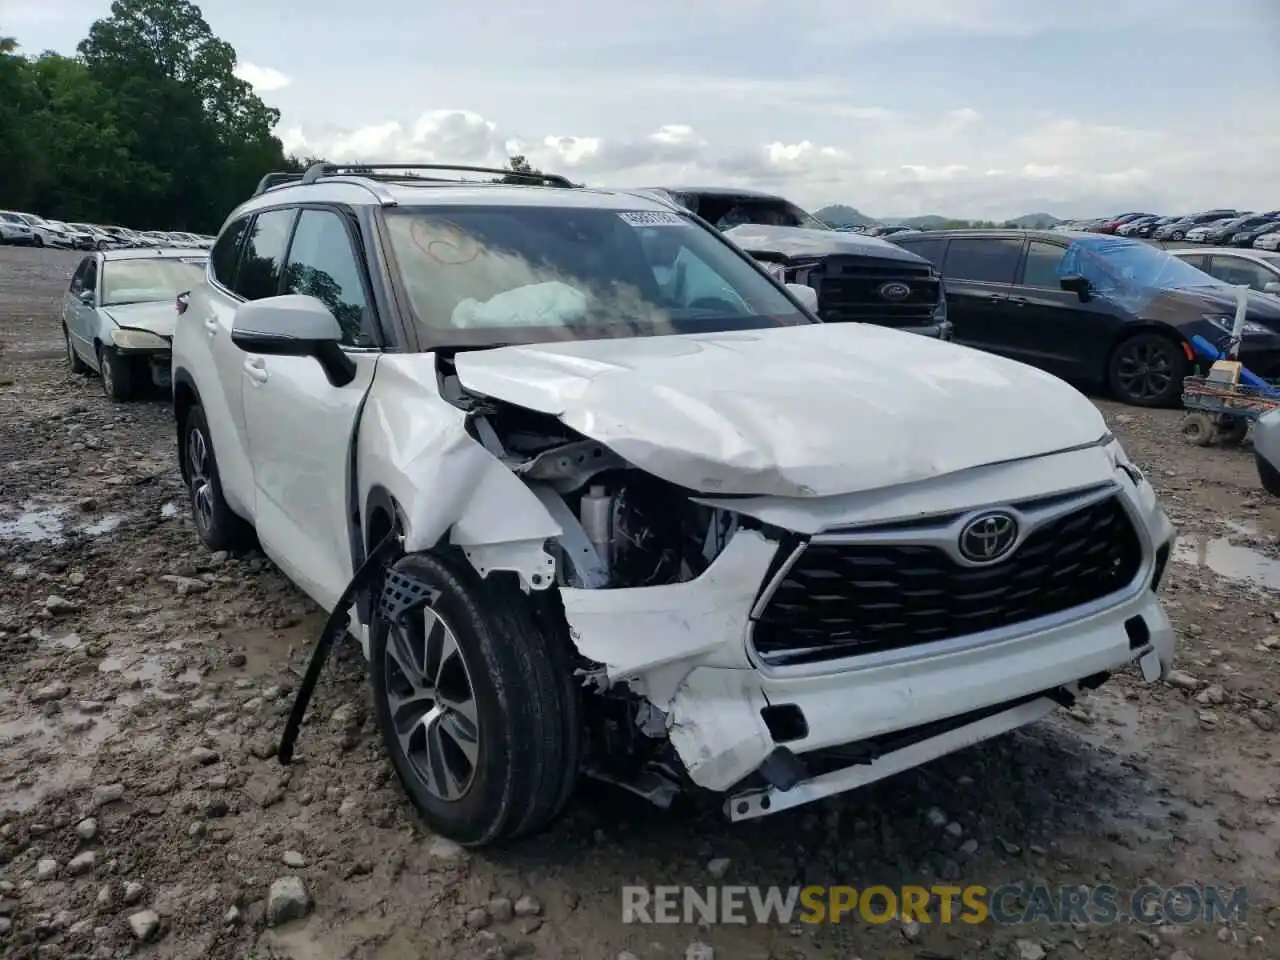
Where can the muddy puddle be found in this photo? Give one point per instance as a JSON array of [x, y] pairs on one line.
[[1233, 561], [43, 756], [50, 524]]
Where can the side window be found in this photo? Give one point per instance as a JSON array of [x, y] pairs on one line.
[[932, 249], [91, 275], [77, 278], [985, 259], [322, 264], [1238, 271], [1041, 269], [262, 262], [1199, 262], [226, 252]]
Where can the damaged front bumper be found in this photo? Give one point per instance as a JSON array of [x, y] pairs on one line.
[[772, 735]]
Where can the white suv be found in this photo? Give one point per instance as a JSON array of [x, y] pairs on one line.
[[670, 540]]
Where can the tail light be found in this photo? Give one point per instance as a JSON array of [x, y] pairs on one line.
[[183, 299]]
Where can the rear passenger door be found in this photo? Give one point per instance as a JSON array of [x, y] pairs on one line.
[[979, 274], [1050, 327]]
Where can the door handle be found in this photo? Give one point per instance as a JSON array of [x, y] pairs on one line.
[[256, 368], [210, 326]]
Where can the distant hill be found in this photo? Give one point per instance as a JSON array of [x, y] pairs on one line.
[[841, 215]]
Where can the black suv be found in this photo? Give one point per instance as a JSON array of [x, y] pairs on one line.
[[1093, 309], [856, 277]]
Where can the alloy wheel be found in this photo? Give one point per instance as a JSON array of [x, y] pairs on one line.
[[200, 480], [432, 704], [1144, 369]]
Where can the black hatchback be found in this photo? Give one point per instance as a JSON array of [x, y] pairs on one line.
[[1096, 310]]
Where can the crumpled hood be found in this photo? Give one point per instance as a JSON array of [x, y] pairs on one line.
[[793, 411], [159, 317], [802, 243]]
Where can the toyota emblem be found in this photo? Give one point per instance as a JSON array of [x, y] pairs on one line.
[[988, 537], [894, 291]]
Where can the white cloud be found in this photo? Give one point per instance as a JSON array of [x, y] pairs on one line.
[[262, 79], [953, 162]]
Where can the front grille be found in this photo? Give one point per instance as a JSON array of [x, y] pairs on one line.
[[848, 290], [840, 600]]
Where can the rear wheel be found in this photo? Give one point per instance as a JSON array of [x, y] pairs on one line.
[[477, 706], [218, 525], [1147, 369], [1177, 235], [73, 359]]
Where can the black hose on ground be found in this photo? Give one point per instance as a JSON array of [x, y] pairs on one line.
[[334, 628]]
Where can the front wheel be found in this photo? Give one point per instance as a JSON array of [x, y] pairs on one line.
[[476, 704], [1197, 428], [1147, 370], [118, 380], [37, 240], [103, 245], [73, 359], [1177, 235]]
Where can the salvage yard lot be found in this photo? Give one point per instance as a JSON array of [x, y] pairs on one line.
[[144, 682]]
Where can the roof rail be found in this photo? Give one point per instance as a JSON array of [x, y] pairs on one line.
[[373, 170], [275, 180]]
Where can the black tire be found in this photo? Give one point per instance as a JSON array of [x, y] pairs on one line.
[[37, 240], [1177, 235], [119, 381], [1147, 370], [219, 527], [526, 737], [74, 362], [1198, 428], [103, 245], [1268, 474]]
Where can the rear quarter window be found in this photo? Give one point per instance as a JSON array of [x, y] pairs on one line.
[[226, 252]]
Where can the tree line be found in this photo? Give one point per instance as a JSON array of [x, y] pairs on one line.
[[146, 126]]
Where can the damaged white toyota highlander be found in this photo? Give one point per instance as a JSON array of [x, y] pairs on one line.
[[600, 497]]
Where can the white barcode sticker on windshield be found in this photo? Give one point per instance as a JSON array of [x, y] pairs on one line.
[[651, 218]]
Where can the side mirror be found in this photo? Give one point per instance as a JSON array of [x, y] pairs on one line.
[[806, 295], [1076, 284], [293, 325], [1272, 287], [86, 297]]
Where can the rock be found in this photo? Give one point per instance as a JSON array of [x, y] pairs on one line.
[[500, 909], [87, 829], [263, 789], [185, 585], [626, 955], [699, 951], [82, 863], [528, 906], [719, 867], [5, 926], [109, 793], [1263, 719], [90, 706], [50, 692], [132, 893], [442, 849], [204, 756], [936, 817], [1212, 694], [287, 900], [293, 859], [910, 931], [46, 868], [145, 924], [237, 660], [1027, 950], [232, 915], [970, 846], [477, 918], [1177, 955], [57, 605], [1183, 681], [954, 829]]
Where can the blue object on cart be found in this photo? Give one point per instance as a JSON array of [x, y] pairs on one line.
[[1212, 353]]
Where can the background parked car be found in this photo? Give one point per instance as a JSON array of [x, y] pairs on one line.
[[1178, 229], [1148, 229], [80, 239], [1091, 309], [1110, 226], [44, 234], [15, 230], [1245, 238], [101, 239], [1223, 231], [1255, 269], [1128, 229]]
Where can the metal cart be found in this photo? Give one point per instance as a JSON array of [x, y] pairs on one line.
[[1219, 410]]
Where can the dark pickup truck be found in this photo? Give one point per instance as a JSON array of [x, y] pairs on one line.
[[856, 277]]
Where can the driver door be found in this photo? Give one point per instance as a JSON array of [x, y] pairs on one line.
[[300, 425], [80, 317]]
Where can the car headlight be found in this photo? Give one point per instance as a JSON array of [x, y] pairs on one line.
[[1227, 322], [138, 340]]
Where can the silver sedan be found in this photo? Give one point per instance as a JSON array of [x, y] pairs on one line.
[[119, 312]]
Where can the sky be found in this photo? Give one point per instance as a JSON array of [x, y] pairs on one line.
[[968, 108]]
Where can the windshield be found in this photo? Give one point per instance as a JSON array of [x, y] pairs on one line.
[[1124, 266], [148, 281], [485, 275], [726, 212], [32, 219]]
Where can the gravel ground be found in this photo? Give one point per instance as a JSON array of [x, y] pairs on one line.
[[143, 683]]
